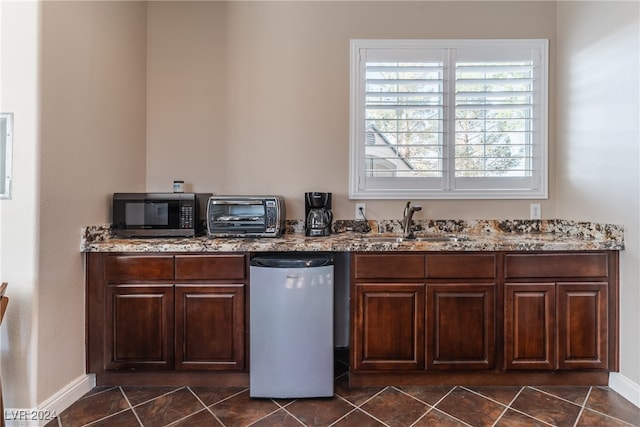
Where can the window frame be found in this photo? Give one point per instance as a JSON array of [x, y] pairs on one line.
[[449, 186]]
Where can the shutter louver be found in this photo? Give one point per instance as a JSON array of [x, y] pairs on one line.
[[404, 119], [493, 119]]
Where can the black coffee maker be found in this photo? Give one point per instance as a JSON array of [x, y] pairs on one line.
[[318, 215]]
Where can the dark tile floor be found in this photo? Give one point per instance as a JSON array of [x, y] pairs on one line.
[[361, 407]]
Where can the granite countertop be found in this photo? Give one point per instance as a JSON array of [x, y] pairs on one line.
[[351, 236]]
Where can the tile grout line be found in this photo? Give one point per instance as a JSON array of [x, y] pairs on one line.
[[283, 408], [147, 401], [205, 408], [581, 406], [488, 398], [97, 393], [584, 403], [429, 406], [586, 400], [529, 415], [612, 417], [433, 407], [519, 411], [172, 423], [415, 398], [558, 397], [355, 408], [153, 398], [88, 395], [508, 406], [130, 408], [371, 397], [268, 415], [224, 400], [359, 407], [135, 414], [602, 413]]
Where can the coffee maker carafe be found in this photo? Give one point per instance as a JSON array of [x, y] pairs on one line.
[[318, 215]]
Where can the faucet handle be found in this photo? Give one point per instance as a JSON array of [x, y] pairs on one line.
[[407, 207]]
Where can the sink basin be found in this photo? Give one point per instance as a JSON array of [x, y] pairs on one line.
[[400, 239]]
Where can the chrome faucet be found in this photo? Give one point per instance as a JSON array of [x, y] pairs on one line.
[[407, 232]]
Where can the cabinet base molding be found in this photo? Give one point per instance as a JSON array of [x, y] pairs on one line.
[[173, 379], [478, 379]]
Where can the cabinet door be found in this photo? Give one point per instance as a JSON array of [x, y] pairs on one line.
[[582, 326], [210, 327], [139, 327], [529, 326], [460, 326], [388, 326]]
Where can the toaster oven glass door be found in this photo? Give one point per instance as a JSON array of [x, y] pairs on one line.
[[237, 217]]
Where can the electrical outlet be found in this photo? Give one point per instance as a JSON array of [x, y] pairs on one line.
[[361, 211], [536, 212]]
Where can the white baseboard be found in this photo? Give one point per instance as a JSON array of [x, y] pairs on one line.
[[52, 407], [625, 387]]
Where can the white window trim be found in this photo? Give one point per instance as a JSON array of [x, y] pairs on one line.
[[376, 188], [6, 154]]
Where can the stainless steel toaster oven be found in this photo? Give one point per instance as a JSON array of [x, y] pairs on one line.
[[246, 216]]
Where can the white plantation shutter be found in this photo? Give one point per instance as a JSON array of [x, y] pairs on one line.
[[449, 119]]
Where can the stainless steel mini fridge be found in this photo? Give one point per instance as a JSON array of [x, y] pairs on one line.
[[291, 325]]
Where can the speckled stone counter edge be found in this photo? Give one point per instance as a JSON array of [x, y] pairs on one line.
[[486, 235]]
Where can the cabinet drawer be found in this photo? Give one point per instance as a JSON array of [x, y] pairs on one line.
[[556, 265], [470, 266], [120, 268], [210, 267], [396, 266]]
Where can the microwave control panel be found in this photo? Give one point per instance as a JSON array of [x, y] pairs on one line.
[[186, 216]]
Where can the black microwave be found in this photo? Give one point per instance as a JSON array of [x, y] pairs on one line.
[[159, 214]]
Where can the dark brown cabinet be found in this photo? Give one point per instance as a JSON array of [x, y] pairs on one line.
[[388, 306], [423, 311], [582, 326], [530, 326], [166, 313], [483, 318], [390, 326], [494, 318], [210, 311], [210, 327], [461, 316], [461, 326], [557, 311], [138, 327]]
